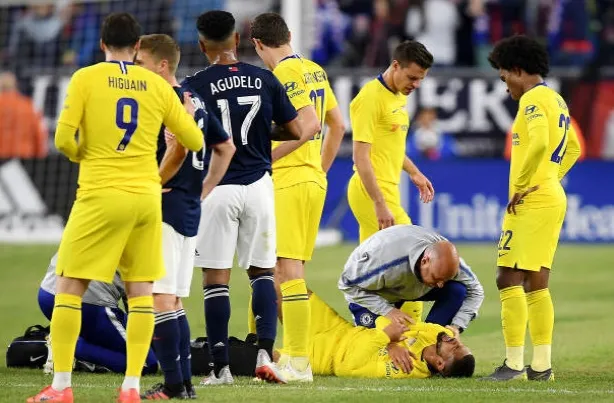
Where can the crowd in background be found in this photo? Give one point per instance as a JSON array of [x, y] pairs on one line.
[[345, 32], [336, 33]]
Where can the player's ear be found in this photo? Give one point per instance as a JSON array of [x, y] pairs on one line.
[[237, 39], [137, 45], [103, 47], [201, 45], [439, 364]]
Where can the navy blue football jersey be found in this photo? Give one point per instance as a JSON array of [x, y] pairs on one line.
[[246, 99], [181, 206]]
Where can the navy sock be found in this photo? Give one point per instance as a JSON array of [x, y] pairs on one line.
[[264, 306], [217, 315], [184, 347], [166, 343]]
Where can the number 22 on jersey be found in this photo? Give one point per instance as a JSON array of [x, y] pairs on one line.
[[559, 151], [126, 108]]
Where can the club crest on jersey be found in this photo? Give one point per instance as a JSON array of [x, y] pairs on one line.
[[290, 86], [366, 319], [530, 109]]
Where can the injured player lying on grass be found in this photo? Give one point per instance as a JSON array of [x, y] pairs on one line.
[[390, 350]]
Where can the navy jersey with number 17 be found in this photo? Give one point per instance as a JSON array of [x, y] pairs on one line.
[[246, 99], [181, 205]]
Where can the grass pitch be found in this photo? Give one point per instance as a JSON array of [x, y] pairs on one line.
[[581, 285]]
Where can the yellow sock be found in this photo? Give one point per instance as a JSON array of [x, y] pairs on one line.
[[251, 319], [514, 323], [541, 326], [413, 309], [139, 332], [65, 328], [297, 318]]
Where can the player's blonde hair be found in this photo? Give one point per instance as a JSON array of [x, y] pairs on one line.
[[162, 47]]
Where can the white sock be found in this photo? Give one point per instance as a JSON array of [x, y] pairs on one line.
[[61, 380], [132, 382]]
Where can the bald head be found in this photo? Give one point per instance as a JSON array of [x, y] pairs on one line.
[[439, 263], [8, 82]]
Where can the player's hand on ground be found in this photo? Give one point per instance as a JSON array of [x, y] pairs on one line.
[[401, 357], [188, 104], [425, 187], [517, 198], [400, 317], [385, 218], [454, 330], [395, 331]]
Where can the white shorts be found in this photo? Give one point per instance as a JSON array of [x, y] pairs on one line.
[[241, 219], [178, 251]]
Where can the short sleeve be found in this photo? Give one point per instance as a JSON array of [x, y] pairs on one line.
[[283, 110], [363, 115], [74, 103], [294, 86]]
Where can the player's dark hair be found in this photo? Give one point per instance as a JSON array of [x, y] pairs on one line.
[[216, 25], [408, 52], [271, 30], [520, 52], [162, 47], [120, 30], [462, 368]]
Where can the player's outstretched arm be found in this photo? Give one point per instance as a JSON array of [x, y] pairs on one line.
[[181, 123], [572, 152], [309, 127], [333, 138]]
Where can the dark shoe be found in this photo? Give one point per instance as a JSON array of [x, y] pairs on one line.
[[505, 373], [546, 375], [189, 388]]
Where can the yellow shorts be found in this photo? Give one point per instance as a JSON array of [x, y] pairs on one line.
[[363, 207], [110, 229], [327, 328], [529, 239], [298, 210]]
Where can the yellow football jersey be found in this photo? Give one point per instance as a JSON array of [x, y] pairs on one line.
[[379, 117], [363, 353], [306, 83], [118, 109], [540, 135]]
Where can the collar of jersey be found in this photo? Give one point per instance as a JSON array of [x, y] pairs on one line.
[[381, 80], [119, 62], [294, 56]]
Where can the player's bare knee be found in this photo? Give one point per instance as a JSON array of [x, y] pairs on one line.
[[70, 285], [254, 271], [216, 276], [509, 277], [289, 269], [537, 280], [138, 289], [164, 302]]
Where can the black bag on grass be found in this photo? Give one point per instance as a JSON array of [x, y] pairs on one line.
[[29, 350], [242, 354]]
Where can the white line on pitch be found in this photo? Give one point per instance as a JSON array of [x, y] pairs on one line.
[[549, 391]]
